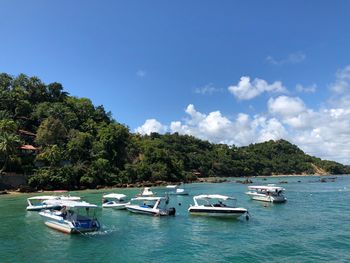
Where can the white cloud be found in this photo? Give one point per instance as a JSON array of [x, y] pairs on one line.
[[323, 132], [217, 128], [306, 89], [272, 129], [291, 111], [342, 83], [292, 58], [141, 73], [286, 106], [151, 125], [208, 89], [246, 90]]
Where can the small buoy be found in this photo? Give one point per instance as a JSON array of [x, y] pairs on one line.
[[247, 217], [179, 204]]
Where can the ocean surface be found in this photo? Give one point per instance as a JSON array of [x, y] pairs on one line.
[[312, 226]]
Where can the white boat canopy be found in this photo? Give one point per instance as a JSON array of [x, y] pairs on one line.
[[43, 197], [116, 196], [215, 196], [171, 186], [147, 198], [75, 204], [266, 188]]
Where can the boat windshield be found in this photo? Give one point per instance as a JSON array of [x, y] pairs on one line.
[[149, 202], [215, 202], [80, 213], [270, 191], [145, 203]]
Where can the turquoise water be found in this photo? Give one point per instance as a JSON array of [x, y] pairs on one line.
[[313, 226]]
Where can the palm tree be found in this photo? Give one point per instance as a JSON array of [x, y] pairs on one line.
[[8, 145]]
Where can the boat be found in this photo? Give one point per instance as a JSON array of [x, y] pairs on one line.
[[176, 191], [216, 205], [181, 191], [151, 205], [269, 193], [65, 196], [74, 217], [146, 192], [37, 203], [116, 201]]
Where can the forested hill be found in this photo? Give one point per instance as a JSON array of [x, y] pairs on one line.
[[67, 143]]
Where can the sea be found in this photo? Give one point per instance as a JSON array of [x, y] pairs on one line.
[[312, 226]]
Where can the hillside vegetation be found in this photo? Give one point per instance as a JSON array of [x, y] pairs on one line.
[[67, 142]]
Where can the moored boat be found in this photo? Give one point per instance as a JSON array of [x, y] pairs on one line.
[[146, 192], [269, 193], [74, 217], [64, 195], [216, 205], [116, 201], [156, 206], [176, 190], [37, 203]]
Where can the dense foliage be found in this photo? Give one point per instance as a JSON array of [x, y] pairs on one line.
[[76, 144]]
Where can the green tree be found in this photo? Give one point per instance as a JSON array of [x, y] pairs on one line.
[[51, 131], [51, 155], [9, 144]]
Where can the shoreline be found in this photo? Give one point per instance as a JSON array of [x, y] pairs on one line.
[[242, 180]]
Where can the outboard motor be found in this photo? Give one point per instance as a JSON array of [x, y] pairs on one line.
[[171, 211]]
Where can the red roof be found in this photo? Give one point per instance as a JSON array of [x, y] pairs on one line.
[[28, 147]]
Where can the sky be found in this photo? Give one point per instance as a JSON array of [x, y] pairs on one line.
[[235, 72]]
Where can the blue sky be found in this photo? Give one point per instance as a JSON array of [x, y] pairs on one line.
[[178, 65]]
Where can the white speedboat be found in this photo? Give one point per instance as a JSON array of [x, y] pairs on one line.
[[217, 206], [176, 190], [64, 195], [116, 201], [146, 192], [156, 206], [74, 217], [37, 203], [69, 198], [269, 193]]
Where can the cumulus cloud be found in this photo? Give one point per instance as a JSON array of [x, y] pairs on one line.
[[342, 83], [292, 58], [323, 132], [306, 89], [217, 128], [286, 106], [328, 135], [291, 111], [272, 129], [246, 89], [151, 125], [208, 89]]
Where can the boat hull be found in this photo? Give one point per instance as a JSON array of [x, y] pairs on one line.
[[115, 206], [66, 228], [142, 210], [267, 198], [215, 212], [150, 211]]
